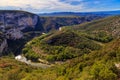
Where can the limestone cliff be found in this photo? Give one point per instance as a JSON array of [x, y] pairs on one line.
[[15, 23]]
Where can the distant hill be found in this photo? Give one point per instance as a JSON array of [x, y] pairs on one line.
[[53, 23], [101, 13], [117, 12]]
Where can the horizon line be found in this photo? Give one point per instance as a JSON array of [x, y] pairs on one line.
[[59, 11]]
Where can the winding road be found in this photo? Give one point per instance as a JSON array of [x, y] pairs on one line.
[[23, 59]]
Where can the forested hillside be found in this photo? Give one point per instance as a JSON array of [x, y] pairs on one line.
[[78, 52], [89, 51]]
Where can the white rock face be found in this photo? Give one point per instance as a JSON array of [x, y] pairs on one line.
[[13, 23]]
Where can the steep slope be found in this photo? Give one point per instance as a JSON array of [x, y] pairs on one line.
[[17, 27], [110, 25]]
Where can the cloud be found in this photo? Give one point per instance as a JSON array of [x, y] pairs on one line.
[[70, 1], [42, 5]]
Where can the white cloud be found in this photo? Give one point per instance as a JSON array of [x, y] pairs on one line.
[[42, 5], [69, 1]]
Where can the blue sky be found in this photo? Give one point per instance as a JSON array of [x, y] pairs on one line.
[[47, 6]]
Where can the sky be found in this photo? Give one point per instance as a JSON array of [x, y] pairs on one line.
[[48, 6]]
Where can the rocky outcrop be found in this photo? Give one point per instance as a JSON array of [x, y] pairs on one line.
[[15, 23]]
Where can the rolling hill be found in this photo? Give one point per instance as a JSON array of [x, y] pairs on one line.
[[87, 51]]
